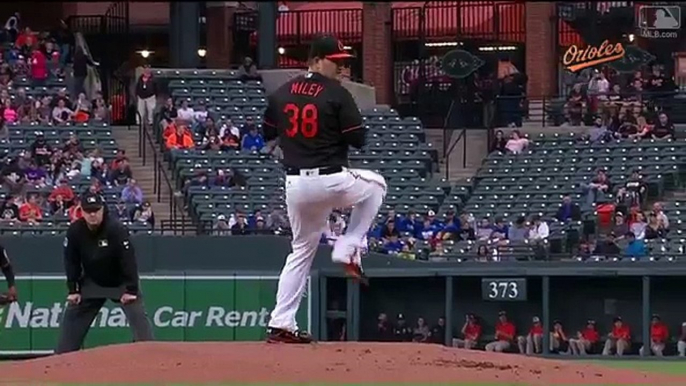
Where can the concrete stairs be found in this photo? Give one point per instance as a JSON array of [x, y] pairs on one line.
[[536, 113], [144, 173], [476, 150]]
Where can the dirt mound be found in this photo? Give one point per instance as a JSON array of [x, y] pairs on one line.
[[173, 362]]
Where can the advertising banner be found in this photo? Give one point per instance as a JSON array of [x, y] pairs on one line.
[[180, 308]]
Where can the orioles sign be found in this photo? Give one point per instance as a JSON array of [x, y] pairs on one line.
[[576, 59]]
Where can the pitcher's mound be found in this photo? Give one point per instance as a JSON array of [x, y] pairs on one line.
[[172, 362]]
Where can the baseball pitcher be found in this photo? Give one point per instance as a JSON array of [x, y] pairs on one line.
[[316, 120]]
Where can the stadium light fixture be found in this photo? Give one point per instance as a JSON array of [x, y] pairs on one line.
[[281, 50], [632, 37], [202, 52], [145, 53]]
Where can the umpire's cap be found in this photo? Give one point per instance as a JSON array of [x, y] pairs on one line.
[[328, 47], [92, 202]]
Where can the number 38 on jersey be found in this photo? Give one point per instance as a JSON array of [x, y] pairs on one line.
[[303, 119]]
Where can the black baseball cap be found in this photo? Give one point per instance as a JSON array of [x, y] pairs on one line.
[[328, 47], [92, 202]]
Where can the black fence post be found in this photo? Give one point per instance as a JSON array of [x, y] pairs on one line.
[[545, 312], [449, 288], [645, 328]]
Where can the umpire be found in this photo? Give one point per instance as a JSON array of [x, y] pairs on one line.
[[100, 264]]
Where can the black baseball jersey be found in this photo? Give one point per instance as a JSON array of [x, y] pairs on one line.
[[104, 255], [316, 120]]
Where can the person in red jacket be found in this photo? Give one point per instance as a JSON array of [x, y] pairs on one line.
[[533, 342], [585, 339], [471, 332], [39, 68], [659, 334], [504, 334], [619, 339]]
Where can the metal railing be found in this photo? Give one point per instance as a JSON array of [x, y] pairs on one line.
[[555, 110], [447, 136]]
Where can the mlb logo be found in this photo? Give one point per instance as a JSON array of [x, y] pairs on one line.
[[663, 17]]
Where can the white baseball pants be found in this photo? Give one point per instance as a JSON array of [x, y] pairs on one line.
[[310, 198]]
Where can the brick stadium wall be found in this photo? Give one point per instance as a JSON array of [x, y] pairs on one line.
[[541, 60]]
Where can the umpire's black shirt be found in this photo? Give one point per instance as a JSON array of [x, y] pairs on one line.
[[103, 255], [316, 120]]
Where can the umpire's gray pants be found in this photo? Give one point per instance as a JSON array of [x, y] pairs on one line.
[[78, 318]]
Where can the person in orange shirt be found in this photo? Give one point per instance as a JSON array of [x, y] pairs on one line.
[[585, 339], [533, 342], [30, 211], [504, 334], [619, 339], [180, 140], [471, 332], [659, 334]]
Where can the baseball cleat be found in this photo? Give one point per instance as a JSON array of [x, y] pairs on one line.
[[278, 335], [355, 271]]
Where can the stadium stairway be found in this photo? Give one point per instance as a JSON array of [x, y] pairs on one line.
[[128, 140]]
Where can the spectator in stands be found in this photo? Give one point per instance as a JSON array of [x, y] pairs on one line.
[[585, 339], [180, 139], [9, 114], [248, 71], [41, 149], [62, 190], [101, 113], [35, 175], [471, 333], [62, 114], [484, 230], [260, 227], [200, 117], [389, 230], [499, 142], [510, 101], [248, 126], [519, 231], [333, 231], [9, 211], [20, 98], [532, 343], [638, 226], [80, 64], [230, 141], [438, 331], [82, 109], [169, 113], [607, 246], [629, 126], [39, 68], [384, 329], [52, 56], [13, 176], [654, 230], [75, 212], [58, 207], [64, 39], [121, 174], [575, 104], [619, 340], [568, 211], [229, 128], [276, 220], [144, 214], [213, 143], [6, 75], [393, 245], [599, 132], [11, 31], [26, 41], [539, 229], [199, 179], [241, 226], [186, 113], [659, 336], [504, 334], [635, 248], [401, 331], [596, 190], [663, 129], [146, 96], [681, 344], [620, 227], [132, 193], [632, 195], [662, 218], [253, 141], [516, 144], [121, 211], [30, 212], [501, 230], [44, 111], [221, 227]]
